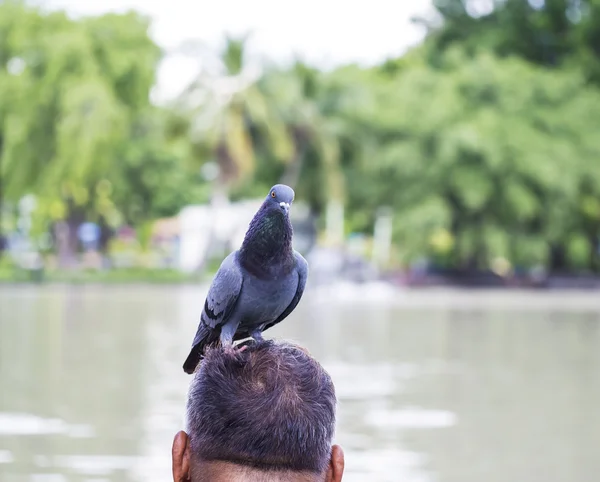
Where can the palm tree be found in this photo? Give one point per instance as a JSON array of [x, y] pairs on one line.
[[234, 103], [298, 97], [224, 107]]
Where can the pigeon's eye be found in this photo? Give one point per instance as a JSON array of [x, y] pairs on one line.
[[272, 193]]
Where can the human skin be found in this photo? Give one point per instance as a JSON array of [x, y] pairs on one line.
[[185, 466]]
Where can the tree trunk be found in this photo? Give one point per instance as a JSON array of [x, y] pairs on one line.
[[593, 252], [456, 228], [61, 236], [558, 258], [228, 170], [2, 241], [106, 234], [481, 252], [294, 168], [67, 235], [219, 198]]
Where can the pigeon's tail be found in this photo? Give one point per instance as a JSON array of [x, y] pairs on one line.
[[204, 336], [191, 362]]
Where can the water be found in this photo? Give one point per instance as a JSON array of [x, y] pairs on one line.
[[433, 386]]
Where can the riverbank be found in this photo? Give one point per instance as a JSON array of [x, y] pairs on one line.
[[417, 281], [489, 279], [113, 276]]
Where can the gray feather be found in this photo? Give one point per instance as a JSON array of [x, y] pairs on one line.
[[257, 286], [223, 293], [302, 270]]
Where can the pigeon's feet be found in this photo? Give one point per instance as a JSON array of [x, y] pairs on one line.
[[242, 345], [254, 338], [227, 334]]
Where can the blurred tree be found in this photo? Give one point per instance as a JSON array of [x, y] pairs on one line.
[[545, 32], [494, 153], [73, 93], [226, 110], [313, 167], [153, 178], [482, 141]]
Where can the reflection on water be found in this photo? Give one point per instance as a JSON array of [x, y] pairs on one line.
[[433, 387]]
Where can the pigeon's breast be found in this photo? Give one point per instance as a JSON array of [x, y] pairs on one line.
[[263, 301]]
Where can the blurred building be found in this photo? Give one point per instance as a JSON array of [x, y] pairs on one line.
[[206, 232]]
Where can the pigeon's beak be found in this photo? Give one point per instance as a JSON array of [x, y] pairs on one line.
[[285, 206]]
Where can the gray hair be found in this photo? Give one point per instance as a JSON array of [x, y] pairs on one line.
[[270, 407]]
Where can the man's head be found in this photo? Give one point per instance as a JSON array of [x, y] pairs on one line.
[[264, 413]]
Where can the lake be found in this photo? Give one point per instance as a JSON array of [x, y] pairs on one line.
[[433, 385]]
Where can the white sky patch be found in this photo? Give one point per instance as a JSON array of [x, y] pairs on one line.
[[325, 33]]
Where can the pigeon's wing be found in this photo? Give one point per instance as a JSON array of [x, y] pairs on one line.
[[220, 301], [302, 269], [223, 293]]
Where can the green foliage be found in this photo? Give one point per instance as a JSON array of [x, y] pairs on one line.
[[482, 140], [222, 115], [485, 148], [12, 274], [75, 116], [545, 32]]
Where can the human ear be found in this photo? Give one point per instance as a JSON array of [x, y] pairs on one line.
[[336, 465], [181, 457]]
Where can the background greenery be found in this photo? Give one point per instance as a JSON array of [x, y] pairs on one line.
[[484, 140]]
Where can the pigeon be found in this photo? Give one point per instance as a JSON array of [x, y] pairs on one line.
[[258, 285]]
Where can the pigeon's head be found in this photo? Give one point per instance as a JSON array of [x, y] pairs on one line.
[[282, 196]]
